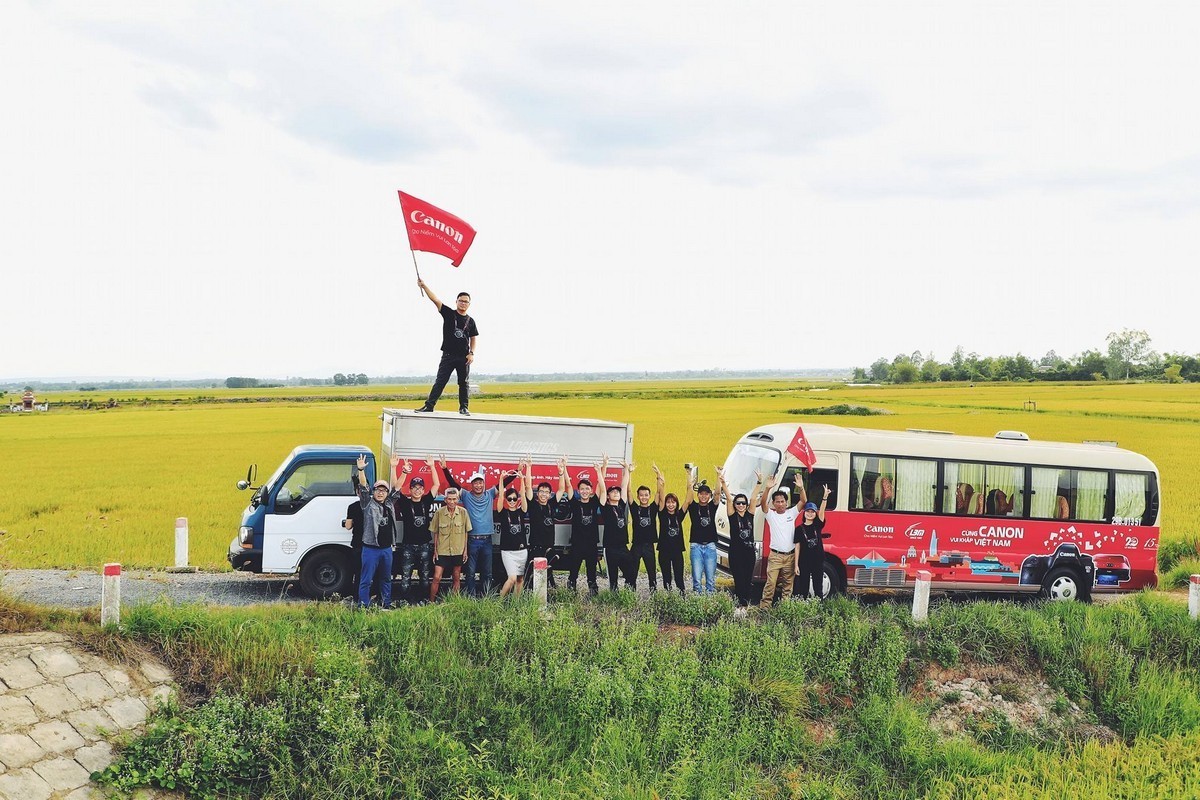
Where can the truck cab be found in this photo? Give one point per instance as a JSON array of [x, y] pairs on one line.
[[294, 520]]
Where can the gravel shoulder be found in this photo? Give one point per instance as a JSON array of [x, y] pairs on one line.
[[81, 588]]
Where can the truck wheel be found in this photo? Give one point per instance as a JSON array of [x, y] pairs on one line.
[[1064, 583], [326, 572]]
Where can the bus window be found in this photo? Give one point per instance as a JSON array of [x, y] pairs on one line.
[[893, 484], [815, 483], [1051, 493], [964, 489], [1090, 489], [1004, 490], [1133, 490], [744, 461]]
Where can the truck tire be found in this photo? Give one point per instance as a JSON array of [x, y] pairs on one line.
[[326, 572], [835, 581], [1065, 584]]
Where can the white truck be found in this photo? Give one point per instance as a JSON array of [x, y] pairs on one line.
[[294, 521]]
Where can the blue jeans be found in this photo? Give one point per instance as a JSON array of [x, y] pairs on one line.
[[704, 559], [373, 559], [479, 557]]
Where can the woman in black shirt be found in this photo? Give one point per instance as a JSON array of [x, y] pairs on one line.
[[670, 535], [810, 555]]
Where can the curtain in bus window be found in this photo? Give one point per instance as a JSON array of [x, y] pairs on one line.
[[1131, 497], [915, 485], [870, 476], [1089, 494], [964, 488], [1005, 486], [1045, 502]]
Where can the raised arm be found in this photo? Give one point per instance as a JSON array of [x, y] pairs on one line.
[[400, 474], [435, 485], [801, 495], [766, 491], [522, 488], [429, 293], [724, 490], [601, 473], [364, 491], [660, 482], [629, 466], [690, 494], [824, 501], [570, 486], [451, 483], [528, 493], [562, 479]]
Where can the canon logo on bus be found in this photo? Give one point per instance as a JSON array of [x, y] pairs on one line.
[[915, 531], [998, 532], [422, 218], [879, 529]]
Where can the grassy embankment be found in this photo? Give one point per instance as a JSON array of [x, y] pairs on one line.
[[80, 488], [611, 700]]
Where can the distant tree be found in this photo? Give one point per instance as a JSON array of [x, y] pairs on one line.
[[905, 372], [931, 371], [946, 373], [241, 383], [339, 379], [860, 375], [1174, 373], [881, 370], [361, 379], [1125, 350]]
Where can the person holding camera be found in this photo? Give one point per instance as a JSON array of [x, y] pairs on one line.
[[702, 511]]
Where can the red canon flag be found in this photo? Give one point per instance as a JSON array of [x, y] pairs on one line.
[[432, 230], [801, 449]]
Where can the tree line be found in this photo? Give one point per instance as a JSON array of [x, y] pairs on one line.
[[1128, 355]]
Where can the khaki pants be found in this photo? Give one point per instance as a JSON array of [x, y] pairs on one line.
[[780, 566]]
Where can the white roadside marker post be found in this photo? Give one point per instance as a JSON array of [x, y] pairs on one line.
[[920, 609], [539, 580], [110, 596], [1194, 597], [181, 547]]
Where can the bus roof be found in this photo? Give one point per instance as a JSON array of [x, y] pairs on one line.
[[937, 444]]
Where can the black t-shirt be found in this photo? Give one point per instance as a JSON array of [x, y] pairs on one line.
[[512, 529], [741, 531], [616, 524], [457, 330], [541, 523], [670, 530], [354, 514], [644, 527], [704, 523], [416, 515], [809, 536], [585, 519]]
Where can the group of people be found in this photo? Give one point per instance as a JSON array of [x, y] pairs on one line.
[[455, 533]]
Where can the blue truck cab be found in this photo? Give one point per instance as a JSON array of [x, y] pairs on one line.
[[294, 523]]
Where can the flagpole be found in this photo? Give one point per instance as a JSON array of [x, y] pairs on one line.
[[417, 270]]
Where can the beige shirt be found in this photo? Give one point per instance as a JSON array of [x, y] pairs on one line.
[[450, 531]]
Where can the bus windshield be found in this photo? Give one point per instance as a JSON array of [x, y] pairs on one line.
[[744, 461]]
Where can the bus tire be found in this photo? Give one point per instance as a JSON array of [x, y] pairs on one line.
[[326, 572], [1064, 584], [834, 578]]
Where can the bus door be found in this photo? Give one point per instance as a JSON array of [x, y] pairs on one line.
[[825, 474]]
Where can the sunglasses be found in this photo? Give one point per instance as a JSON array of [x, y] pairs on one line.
[[739, 502], [512, 499]]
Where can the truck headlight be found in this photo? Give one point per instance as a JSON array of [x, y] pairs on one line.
[[245, 534]]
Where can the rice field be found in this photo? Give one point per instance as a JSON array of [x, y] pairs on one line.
[[82, 487]]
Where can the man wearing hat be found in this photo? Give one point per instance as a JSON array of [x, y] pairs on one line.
[[702, 511], [414, 509], [379, 532]]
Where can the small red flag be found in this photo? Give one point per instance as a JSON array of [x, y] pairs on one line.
[[432, 230], [802, 450]]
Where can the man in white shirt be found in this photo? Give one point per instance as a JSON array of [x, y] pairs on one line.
[[781, 562]]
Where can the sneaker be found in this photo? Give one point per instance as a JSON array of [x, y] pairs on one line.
[[463, 411], [423, 410]]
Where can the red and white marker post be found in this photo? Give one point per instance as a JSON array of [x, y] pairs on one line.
[[1194, 597], [539, 579], [110, 596]]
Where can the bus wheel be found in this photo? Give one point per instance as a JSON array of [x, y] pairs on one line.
[[832, 580], [1063, 583], [326, 572]]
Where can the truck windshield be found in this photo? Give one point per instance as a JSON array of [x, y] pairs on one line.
[[742, 463]]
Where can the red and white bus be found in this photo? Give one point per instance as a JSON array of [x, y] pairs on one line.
[[1005, 514]]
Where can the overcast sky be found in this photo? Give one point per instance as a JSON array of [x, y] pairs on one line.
[[209, 189]]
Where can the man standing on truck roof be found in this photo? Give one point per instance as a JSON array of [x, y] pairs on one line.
[[415, 510], [459, 336], [379, 532]]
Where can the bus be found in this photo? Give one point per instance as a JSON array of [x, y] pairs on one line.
[[1003, 514]]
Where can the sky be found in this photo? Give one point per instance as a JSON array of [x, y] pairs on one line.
[[209, 189]]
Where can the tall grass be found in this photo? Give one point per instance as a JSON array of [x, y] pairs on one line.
[[673, 698]]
